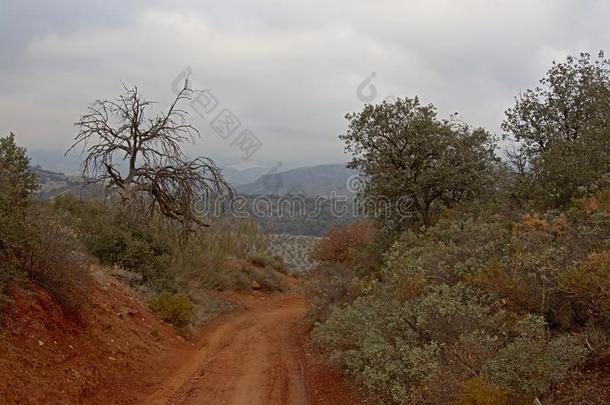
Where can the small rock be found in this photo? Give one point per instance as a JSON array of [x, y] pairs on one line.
[[40, 343], [255, 285], [131, 312]]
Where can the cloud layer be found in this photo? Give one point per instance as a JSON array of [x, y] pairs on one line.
[[288, 70]]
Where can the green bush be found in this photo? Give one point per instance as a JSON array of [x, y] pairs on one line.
[[176, 309], [17, 184], [528, 366], [114, 239], [395, 349], [486, 304], [494, 307], [447, 252]]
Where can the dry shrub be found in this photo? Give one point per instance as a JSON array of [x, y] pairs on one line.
[[411, 286], [267, 279], [176, 309], [478, 391], [327, 286], [239, 274], [258, 259], [200, 260], [275, 263], [60, 266], [342, 242], [590, 386], [278, 264], [590, 283]]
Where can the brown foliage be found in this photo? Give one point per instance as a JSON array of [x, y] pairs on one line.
[[478, 391], [58, 264], [342, 242]]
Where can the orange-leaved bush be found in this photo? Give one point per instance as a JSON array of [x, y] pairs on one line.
[[341, 242]]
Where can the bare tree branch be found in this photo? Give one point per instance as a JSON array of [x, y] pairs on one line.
[[141, 159]]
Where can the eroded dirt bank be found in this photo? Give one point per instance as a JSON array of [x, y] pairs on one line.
[[120, 353]]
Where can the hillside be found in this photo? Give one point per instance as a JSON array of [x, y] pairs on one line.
[[311, 181], [243, 176], [53, 183]]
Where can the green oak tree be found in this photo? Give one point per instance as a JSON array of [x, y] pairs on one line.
[[415, 163], [563, 128]]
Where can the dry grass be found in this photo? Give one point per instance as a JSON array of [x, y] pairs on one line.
[[58, 263]]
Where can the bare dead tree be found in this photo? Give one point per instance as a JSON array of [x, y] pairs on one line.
[[141, 158], [517, 160]]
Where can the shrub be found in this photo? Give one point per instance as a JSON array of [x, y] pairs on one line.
[[327, 286], [277, 264], [590, 283], [478, 391], [527, 276], [200, 260], [528, 366], [258, 259], [9, 272], [267, 278], [341, 243], [505, 304], [113, 238], [445, 253], [395, 348], [173, 308], [17, 184], [134, 251], [58, 263]]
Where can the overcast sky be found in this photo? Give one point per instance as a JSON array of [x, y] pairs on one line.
[[288, 70]]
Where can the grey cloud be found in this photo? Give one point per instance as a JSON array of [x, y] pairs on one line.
[[289, 70]]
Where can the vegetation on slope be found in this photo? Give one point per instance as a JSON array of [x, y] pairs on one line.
[[500, 296]]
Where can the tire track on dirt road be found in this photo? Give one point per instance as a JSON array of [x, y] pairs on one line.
[[246, 358]]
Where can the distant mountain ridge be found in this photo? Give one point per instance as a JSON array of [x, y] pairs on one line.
[[238, 177], [311, 181], [320, 180]]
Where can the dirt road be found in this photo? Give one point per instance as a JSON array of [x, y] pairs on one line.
[[248, 358]]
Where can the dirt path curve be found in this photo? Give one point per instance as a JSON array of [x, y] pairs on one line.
[[246, 358]]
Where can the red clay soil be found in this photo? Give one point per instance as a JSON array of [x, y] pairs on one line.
[[122, 354], [49, 358], [256, 356], [325, 385]]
